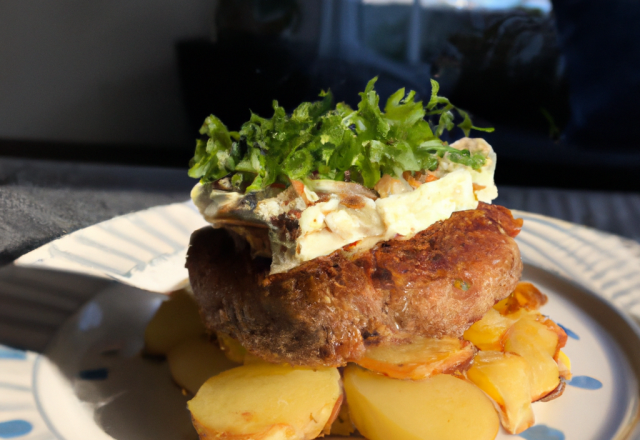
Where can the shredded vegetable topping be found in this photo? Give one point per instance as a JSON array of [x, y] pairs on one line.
[[321, 141]]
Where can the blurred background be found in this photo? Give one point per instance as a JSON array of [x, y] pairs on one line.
[[126, 85]]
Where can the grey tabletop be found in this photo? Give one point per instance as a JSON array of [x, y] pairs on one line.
[[41, 201]]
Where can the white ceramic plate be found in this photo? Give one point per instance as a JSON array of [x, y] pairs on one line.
[[91, 382]]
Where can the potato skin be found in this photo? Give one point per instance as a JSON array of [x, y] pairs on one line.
[[324, 311]]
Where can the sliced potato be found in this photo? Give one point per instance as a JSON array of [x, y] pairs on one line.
[[488, 332], [559, 331], [442, 407], [176, 320], [266, 401], [333, 417], [537, 344], [525, 296], [195, 360], [252, 359], [231, 347], [564, 366], [505, 378], [342, 425], [419, 358]]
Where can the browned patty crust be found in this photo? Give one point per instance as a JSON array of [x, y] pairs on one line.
[[324, 312]]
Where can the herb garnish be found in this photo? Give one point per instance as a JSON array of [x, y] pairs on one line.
[[319, 140]]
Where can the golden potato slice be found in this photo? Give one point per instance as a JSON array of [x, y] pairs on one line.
[[442, 407], [195, 360], [419, 358], [525, 296], [559, 331], [537, 344], [488, 332], [342, 425], [266, 401], [505, 378], [252, 359], [231, 347], [564, 366], [176, 320]]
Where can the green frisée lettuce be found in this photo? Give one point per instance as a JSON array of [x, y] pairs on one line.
[[325, 142]]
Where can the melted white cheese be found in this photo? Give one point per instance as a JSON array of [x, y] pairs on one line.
[[484, 177], [329, 225], [408, 213]]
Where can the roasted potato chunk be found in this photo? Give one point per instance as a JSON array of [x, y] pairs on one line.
[[564, 366], [525, 296], [505, 378], [195, 360], [532, 338], [343, 425], [176, 319], [263, 401], [442, 407], [488, 332], [231, 348], [419, 358]]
